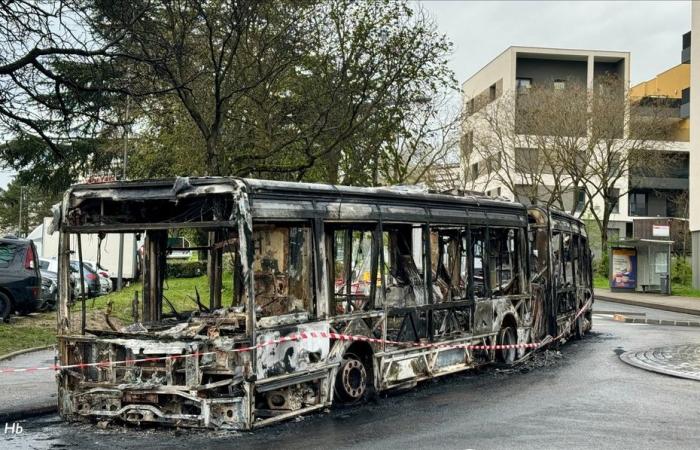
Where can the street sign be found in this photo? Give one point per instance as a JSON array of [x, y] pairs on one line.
[[661, 231]]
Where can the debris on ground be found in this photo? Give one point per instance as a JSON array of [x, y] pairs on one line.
[[536, 360]]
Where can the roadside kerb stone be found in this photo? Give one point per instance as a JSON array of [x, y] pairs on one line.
[[673, 323]]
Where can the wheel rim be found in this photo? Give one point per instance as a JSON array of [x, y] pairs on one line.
[[580, 330], [507, 338], [352, 379]]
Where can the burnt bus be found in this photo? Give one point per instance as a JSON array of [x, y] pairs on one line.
[[318, 294]]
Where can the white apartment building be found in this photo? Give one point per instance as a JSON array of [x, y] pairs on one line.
[[517, 69], [694, 56]]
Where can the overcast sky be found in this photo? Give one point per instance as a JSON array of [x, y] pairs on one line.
[[651, 31]]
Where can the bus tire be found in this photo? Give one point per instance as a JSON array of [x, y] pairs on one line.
[[507, 336], [580, 326], [5, 307], [352, 381]]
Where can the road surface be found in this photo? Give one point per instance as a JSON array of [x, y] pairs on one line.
[[585, 398], [28, 391]]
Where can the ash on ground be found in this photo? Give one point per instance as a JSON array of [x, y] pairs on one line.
[[535, 360]]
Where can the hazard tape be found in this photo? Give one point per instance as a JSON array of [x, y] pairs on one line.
[[293, 338]]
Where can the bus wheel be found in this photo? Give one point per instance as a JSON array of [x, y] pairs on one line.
[[580, 326], [352, 381], [506, 337]]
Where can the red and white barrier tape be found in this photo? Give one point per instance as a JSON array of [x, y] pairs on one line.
[[292, 337]]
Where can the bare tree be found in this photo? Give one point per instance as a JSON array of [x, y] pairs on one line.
[[576, 148], [426, 146], [625, 140], [517, 138]]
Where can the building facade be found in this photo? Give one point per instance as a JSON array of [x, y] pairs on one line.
[[514, 72], [691, 52]]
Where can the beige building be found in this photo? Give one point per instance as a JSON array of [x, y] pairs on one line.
[[513, 72]]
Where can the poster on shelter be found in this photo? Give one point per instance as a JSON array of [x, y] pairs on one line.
[[624, 268]]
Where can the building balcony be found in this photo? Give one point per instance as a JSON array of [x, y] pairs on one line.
[[685, 103], [658, 182], [685, 56]]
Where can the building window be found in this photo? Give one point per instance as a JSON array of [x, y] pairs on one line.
[[661, 262], [492, 92], [526, 159], [638, 204], [580, 200], [475, 171], [523, 84], [559, 85], [467, 144], [614, 199]]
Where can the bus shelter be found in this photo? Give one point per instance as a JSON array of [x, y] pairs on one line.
[[640, 265]]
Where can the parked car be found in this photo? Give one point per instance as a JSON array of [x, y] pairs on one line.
[[105, 280], [49, 289], [50, 265], [20, 279], [90, 277]]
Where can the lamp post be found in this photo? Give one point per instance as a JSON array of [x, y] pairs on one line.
[[21, 198], [120, 264]]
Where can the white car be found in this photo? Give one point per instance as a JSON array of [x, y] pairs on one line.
[[105, 280]]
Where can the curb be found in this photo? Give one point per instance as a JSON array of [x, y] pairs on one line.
[[677, 309], [26, 350], [27, 413], [671, 323]]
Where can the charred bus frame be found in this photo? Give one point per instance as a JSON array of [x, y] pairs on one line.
[[395, 265]]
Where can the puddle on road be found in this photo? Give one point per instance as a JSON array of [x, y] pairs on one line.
[[619, 350]]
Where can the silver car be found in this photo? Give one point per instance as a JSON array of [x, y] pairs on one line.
[[105, 280]]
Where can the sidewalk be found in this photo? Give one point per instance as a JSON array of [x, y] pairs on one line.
[[674, 303], [27, 393]]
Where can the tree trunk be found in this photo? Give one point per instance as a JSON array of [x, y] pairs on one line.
[[604, 230], [213, 163]]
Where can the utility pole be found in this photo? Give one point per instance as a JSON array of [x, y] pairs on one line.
[[19, 225], [120, 269]]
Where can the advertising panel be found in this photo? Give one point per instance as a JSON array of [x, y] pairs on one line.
[[624, 268]]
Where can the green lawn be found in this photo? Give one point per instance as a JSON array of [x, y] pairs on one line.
[[37, 330], [684, 291], [179, 291], [600, 282], [676, 288]]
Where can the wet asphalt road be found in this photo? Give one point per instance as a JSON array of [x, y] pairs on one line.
[[27, 391], [585, 398]]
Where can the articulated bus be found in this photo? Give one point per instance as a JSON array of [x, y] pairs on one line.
[[318, 294]]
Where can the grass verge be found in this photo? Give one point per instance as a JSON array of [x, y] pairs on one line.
[[600, 282], [39, 329], [35, 330]]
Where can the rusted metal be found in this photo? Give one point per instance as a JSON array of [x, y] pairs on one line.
[[389, 280], [83, 308]]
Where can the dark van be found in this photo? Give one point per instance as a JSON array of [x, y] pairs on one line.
[[20, 279]]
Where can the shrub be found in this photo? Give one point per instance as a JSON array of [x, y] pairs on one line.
[[681, 271], [601, 266], [186, 269]]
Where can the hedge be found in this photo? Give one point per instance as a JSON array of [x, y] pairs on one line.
[[186, 269]]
